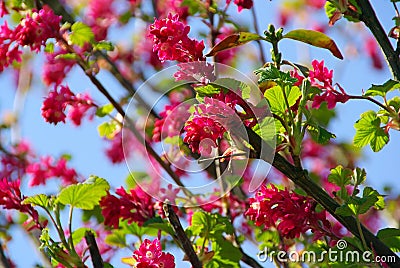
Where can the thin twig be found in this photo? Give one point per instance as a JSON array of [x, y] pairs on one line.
[[255, 24], [4, 263], [371, 100], [182, 237], [94, 250]]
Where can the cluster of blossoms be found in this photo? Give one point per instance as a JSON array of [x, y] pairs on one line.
[[165, 7], [54, 106], [55, 68], [11, 198], [290, 213], [150, 255], [33, 31], [14, 163], [171, 41], [47, 168], [172, 120], [100, 15], [321, 78], [135, 206], [242, 4]]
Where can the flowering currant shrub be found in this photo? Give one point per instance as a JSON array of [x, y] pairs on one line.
[[234, 155]]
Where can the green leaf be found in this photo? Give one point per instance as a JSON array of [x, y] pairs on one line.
[[81, 34], [368, 131], [382, 90], [104, 110], [40, 200], [79, 234], [84, 195], [271, 73], [107, 129], [49, 47], [391, 237], [344, 210], [233, 40], [117, 238], [323, 115], [380, 202], [226, 255], [266, 129], [104, 45], [340, 176], [160, 224], [316, 39], [208, 90], [67, 56], [320, 134], [276, 99], [233, 84], [359, 176]]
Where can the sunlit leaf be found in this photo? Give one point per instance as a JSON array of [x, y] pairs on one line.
[[233, 40], [316, 39]]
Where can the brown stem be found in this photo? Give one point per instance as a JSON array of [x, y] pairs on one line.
[[371, 100], [370, 19], [255, 24], [94, 250], [4, 263], [300, 178], [182, 237]]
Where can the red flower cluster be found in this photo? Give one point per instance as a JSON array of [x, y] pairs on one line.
[[242, 4], [13, 164], [172, 120], [164, 7], [54, 106], [321, 78], [46, 169], [11, 198], [291, 214], [32, 31], [171, 41], [100, 16], [150, 255], [55, 69], [202, 134], [135, 206]]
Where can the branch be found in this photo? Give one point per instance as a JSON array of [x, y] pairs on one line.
[[94, 250], [4, 263], [300, 178], [181, 235], [370, 19]]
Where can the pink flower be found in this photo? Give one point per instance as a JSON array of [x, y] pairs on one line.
[[13, 165], [79, 107], [291, 214], [242, 4], [374, 53], [116, 152], [172, 121], [164, 7], [202, 129], [35, 29], [171, 41], [11, 198], [3, 9], [321, 78], [150, 255], [135, 206], [55, 69], [100, 16], [54, 106], [46, 169]]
